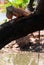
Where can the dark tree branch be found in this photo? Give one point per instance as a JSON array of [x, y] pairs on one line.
[[15, 29], [20, 27]]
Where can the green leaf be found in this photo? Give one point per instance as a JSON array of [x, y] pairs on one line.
[[19, 3], [26, 1]]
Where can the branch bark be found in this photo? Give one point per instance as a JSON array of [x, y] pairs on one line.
[[20, 27]]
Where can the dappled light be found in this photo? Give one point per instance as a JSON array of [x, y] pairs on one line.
[[21, 32]]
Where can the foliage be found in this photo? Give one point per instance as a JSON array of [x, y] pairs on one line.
[[15, 3], [19, 3]]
